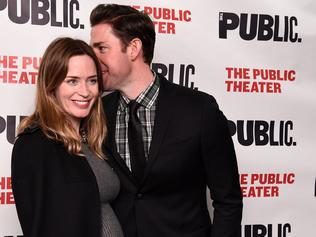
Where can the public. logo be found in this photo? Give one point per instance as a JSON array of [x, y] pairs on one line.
[[182, 72], [315, 188], [8, 126], [261, 27], [266, 230], [262, 133], [43, 12]]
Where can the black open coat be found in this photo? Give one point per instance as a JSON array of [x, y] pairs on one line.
[[56, 194]]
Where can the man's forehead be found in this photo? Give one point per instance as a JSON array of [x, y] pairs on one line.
[[102, 27], [101, 31], [98, 35]]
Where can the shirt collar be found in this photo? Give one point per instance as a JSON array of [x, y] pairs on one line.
[[147, 98]]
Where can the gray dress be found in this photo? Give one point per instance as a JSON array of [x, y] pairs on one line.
[[109, 186]]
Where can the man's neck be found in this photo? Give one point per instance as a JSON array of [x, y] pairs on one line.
[[141, 80]]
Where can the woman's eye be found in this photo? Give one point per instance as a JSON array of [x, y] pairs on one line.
[[93, 81], [72, 82]]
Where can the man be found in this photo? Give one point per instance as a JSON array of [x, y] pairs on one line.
[[185, 141]]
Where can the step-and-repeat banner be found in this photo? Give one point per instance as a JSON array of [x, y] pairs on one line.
[[257, 58]]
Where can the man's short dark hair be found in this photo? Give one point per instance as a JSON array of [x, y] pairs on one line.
[[127, 24]]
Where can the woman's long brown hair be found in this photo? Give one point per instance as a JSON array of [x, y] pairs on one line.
[[48, 113]]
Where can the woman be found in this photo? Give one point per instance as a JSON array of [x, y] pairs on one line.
[[61, 183]]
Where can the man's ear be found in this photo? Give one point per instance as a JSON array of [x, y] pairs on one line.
[[135, 46]]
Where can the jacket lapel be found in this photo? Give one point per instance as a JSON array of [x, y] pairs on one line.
[[163, 115], [110, 104]]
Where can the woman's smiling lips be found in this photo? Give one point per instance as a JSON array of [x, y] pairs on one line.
[[83, 104]]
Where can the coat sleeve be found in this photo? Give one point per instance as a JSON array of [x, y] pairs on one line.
[[221, 171], [27, 179]]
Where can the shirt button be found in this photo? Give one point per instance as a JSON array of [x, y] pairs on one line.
[[139, 195]]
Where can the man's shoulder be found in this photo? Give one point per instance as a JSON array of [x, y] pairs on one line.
[[110, 96], [110, 99], [185, 93]]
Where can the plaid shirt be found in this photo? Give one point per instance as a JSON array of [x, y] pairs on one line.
[[146, 115]]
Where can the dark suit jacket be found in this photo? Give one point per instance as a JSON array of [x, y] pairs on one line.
[[56, 194], [191, 149]]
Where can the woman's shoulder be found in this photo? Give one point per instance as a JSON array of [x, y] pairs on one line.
[[28, 151], [32, 135], [32, 140]]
